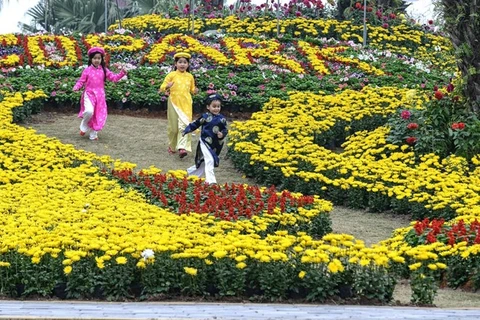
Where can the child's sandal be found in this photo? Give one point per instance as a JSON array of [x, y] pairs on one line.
[[170, 150], [182, 153], [82, 133]]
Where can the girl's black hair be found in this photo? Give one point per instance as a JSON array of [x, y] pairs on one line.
[[176, 60], [90, 57], [213, 97]]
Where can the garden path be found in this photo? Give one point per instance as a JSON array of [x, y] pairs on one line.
[[220, 311]]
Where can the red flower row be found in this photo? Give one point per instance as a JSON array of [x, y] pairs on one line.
[[227, 202], [436, 230]]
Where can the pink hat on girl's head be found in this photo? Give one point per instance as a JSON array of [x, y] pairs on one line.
[[96, 50]]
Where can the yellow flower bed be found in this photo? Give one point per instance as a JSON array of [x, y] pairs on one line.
[[269, 49], [159, 23], [282, 136], [159, 50]]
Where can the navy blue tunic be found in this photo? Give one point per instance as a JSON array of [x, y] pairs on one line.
[[211, 125]]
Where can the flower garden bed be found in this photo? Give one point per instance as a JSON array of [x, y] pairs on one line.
[[82, 226]]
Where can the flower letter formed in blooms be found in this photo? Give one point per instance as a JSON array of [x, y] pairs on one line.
[[406, 114], [148, 254]]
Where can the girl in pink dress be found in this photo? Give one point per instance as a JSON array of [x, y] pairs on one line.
[[93, 106]]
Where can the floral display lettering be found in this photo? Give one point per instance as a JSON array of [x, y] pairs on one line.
[[115, 42], [49, 50]]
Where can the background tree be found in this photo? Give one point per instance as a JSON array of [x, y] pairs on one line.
[[462, 24], [87, 16]]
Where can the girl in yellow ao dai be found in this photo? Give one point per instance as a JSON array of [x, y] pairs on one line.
[[181, 85]]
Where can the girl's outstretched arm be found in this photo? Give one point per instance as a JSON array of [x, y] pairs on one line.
[[81, 81], [115, 77]]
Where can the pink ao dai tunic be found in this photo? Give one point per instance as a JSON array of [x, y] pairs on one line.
[[93, 80]]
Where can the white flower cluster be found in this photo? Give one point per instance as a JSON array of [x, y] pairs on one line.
[[148, 254]]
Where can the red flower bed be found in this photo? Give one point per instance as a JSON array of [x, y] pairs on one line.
[[427, 231], [227, 202]]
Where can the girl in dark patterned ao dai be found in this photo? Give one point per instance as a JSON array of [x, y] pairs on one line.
[[214, 131]]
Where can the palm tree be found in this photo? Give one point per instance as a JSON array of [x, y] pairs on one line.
[[462, 24], [41, 16], [84, 16]]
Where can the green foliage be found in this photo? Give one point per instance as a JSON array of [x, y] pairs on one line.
[[457, 273], [84, 281], [444, 127], [194, 285], [163, 276], [374, 284], [319, 284], [378, 202], [229, 280], [273, 279], [19, 114], [424, 288], [24, 277], [116, 279]]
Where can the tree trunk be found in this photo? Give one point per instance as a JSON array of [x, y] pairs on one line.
[[462, 23]]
